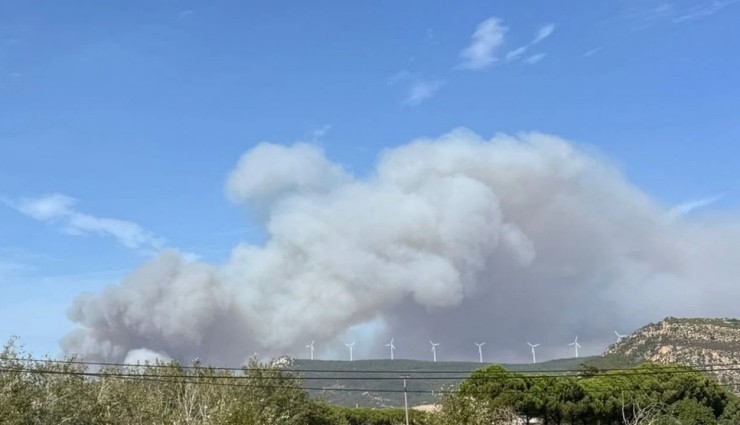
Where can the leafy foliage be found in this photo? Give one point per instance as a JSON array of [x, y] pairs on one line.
[[645, 394], [50, 392]]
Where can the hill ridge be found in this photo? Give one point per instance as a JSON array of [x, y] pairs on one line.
[[706, 343], [354, 386]]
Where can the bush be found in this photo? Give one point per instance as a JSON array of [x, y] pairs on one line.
[[51, 392]]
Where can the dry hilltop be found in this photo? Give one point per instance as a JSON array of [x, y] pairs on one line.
[[706, 344]]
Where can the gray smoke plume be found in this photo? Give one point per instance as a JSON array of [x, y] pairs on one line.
[[456, 239]]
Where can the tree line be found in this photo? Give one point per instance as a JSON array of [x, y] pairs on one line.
[[68, 392], [646, 394], [53, 392]]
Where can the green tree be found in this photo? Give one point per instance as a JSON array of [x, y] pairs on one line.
[[690, 411]]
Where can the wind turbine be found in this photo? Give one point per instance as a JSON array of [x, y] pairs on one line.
[[350, 345], [534, 357], [576, 345], [619, 336], [434, 349], [392, 347], [310, 348], [480, 350]]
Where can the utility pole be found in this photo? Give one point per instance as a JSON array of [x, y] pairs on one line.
[[405, 399]]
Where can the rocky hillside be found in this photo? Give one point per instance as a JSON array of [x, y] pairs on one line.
[[710, 344]]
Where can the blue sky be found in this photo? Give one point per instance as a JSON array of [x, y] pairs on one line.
[[137, 110]]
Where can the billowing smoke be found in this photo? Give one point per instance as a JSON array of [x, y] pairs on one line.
[[456, 239]]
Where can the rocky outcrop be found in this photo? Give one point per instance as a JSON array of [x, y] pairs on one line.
[[706, 344]]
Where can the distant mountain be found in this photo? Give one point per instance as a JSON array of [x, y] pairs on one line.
[[707, 344], [378, 383]]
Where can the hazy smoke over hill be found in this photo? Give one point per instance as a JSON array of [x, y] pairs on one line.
[[456, 239]]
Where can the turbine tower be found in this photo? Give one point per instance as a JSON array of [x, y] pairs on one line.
[[620, 337], [434, 349], [350, 345], [534, 357], [392, 347], [576, 345], [310, 348], [480, 350]]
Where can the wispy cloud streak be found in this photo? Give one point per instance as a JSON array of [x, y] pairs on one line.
[[542, 33], [687, 208], [703, 10], [646, 13], [592, 52], [534, 58], [421, 91], [485, 42], [418, 89], [60, 210]]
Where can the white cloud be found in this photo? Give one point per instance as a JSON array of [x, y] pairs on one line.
[[486, 40], [686, 208], [534, 58], [60, 210], [542, 33], [269, 169], [318, 133], [646, 13], [421, 91], [515, 54], [592, 52], [418, 89], [444, 235], [45, 208], [703, 10], [129, 234]]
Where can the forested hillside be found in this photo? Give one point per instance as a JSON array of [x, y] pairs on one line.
[[378, 383]]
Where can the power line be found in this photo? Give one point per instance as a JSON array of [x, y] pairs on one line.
[[445, 375], [205, 380], [539, 372], [208, 380], [285, 376]]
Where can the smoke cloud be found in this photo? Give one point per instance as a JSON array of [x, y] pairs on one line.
[[456, 239]]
